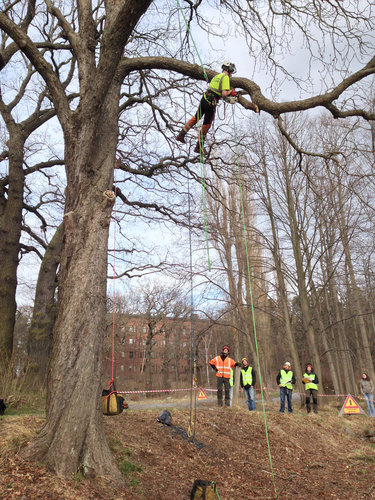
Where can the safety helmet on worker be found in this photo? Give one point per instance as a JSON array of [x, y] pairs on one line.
[[229, 66]]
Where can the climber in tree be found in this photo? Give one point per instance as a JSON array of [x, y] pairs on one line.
[[218, 87]]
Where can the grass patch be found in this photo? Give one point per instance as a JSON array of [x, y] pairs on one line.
[[125, 465], [128, 468], [16, 432], [78, 477], [114, 444]]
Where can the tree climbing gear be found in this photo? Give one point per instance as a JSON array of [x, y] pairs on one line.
[[204, 490], [200, 149], [229, 66], [112, 402], [181, 136]]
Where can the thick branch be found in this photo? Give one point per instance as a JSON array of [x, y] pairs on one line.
[[44, 69], [274, 108]]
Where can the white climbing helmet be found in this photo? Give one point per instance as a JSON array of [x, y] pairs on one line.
[[229, 66]]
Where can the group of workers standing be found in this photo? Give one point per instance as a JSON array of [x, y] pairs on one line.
[[224, 367], [286, 379]]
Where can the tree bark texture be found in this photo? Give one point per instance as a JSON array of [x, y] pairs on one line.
[[10, 234], [44, 311], [72, 438]]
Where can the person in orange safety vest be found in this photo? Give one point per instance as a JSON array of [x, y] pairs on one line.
[[222, 365]]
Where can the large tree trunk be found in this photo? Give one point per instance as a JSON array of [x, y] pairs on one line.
[[10, 233], [282, 291], [300, 271], [72, 438], [44, 311]]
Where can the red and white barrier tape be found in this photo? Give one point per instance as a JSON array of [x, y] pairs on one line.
[[155, 391]]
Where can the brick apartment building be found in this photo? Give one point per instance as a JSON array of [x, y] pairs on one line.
[[170, 351]]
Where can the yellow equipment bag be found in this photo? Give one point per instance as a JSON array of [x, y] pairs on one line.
[[112, 403], [203, 490]]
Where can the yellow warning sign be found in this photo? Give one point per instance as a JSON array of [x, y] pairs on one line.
[[201, 394], [351, 407]]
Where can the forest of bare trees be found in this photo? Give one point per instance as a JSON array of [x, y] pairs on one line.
[[92, 96]]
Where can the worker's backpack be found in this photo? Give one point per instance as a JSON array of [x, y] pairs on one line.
[[165, 418], [203, 490], [112, 402]]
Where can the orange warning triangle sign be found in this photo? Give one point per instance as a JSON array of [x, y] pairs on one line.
[[350, 407], [201, 394]]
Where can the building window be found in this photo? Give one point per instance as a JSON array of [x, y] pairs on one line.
[[130, 367], [184, 344], [131, 354], [184, 331], [131, 341], [144, 329], [122, 341], [122, 354], [134, 329], [122, 368]]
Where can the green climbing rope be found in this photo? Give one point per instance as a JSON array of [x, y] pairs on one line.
[[252, 303], [203, 181], [192, 39]]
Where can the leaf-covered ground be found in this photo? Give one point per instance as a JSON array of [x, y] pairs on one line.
[[320, 456]]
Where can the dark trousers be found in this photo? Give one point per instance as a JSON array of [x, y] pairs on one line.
[[205, 110], [220, 382], [314, 394], [286, 393]]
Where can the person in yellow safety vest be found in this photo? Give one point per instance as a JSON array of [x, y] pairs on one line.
[[218, 87], [311, 381], [231, 384], [222, 365], [247, 382], [285, 378]]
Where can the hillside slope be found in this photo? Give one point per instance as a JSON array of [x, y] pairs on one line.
[[314, 457]]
